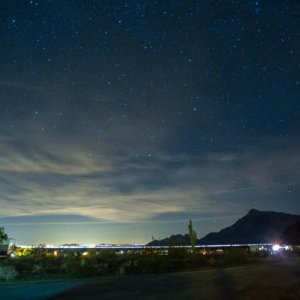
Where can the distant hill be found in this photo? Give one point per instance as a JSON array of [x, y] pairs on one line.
[[178, 240], [291, 235], [256, 227]]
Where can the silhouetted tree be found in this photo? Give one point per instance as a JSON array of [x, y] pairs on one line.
[[3, 235]]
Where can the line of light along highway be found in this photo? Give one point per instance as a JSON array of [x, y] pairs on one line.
[[139, 246]]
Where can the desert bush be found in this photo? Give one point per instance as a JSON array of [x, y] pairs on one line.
[[178, 253], [296, 251], [52, 265], [212, 261], [101, 268], [24, 265], [196, 260], [232, 257], [71, 264], [107, 255], [107, 262], [8, 273], [110, 260], [87, 267], [152, 264]]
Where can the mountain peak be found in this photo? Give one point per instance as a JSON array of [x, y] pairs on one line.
[[253, 211], [256, 227]]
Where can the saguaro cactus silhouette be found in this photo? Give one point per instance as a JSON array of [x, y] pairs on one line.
[[193, 235]]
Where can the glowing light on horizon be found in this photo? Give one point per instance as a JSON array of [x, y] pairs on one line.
[[276, 247]]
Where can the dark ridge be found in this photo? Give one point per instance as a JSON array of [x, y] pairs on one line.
[[254, 228], [291, 235], [173, 240]]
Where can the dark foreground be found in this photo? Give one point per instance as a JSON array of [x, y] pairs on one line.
[[267, 281]]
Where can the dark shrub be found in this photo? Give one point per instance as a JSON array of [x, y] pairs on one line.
[[8, 273], [152, 263], [233, 257]]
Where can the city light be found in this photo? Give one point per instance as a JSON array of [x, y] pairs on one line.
[[276, 247]]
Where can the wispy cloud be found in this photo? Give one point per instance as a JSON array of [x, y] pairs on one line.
[[122, 188], [114, 169]]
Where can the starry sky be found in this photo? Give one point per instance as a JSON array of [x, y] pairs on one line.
[[121, 120]]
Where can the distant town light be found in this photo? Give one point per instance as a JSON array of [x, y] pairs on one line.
[[276, 248]]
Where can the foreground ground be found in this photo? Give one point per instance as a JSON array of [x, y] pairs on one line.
[[265, 281]]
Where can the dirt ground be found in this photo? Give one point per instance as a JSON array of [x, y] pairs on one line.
[[267, 281]]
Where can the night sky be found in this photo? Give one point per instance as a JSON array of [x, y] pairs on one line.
[[121, 120]]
